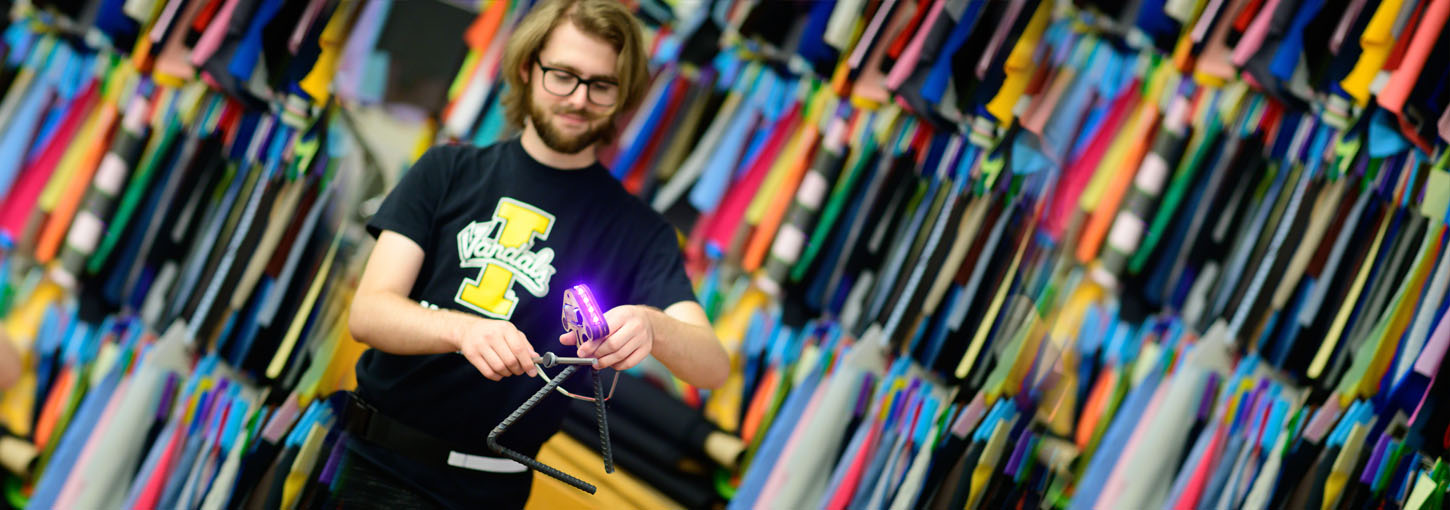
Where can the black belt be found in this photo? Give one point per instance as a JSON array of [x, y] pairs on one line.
[[365, 422]]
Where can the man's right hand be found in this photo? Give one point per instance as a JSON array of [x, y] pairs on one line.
[[496, 348]]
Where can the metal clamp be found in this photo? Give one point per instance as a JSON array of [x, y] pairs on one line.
[[549, 359]]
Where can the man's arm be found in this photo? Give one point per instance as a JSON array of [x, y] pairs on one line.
[[385, 319], [679, 336], [688, 345]]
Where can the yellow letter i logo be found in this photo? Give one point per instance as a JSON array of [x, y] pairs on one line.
[[492, 293]]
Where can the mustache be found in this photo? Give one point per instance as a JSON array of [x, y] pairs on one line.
[[564, 110]]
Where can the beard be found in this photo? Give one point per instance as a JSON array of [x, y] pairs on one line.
[[555, 138]]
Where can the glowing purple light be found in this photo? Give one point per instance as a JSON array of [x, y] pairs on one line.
[[584, 295], [579, 303]]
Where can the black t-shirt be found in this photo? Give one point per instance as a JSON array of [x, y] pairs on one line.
[[504, 235]]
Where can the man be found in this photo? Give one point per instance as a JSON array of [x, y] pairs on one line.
[[475, 249]]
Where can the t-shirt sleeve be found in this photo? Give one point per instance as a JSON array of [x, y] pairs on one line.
[[408, 209], [660, 280]]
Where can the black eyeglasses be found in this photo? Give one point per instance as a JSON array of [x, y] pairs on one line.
[[560, 82]]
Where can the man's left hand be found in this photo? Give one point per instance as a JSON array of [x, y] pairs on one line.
[[631, 337]]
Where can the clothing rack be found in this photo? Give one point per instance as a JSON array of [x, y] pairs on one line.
[[964, 253], [181, 278], [991, 254]]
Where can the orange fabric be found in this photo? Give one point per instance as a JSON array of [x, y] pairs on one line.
[[1402, 81], [1079, 172], [1183, 58], [70, 200], [141, 54], [1092, 411], [764, 393], [50, 414], [730, 213], [841, 79], [479, 34], [769, 223], [485, 26], [1402, 41], [1097, 225], [16, 209]]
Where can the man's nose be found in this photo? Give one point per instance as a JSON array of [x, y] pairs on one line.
[[579, 98]]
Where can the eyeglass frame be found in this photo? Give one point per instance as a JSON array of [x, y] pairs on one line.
[[578, 80]]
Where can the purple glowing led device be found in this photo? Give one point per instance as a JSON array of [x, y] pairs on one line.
[[582, 315]]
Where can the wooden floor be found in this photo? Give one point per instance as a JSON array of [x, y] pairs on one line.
[[616, 491]]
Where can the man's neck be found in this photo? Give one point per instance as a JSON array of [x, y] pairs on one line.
[[542, 153]]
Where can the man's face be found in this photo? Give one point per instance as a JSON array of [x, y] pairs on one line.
[[572, 121]]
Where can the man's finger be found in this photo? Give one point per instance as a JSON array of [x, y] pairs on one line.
[[613, 357], [508, 352], [568, 338], [633, 360], [477, 361], [494, 362], [613, 343], [615, 318], [524, 353], [602, 348]]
